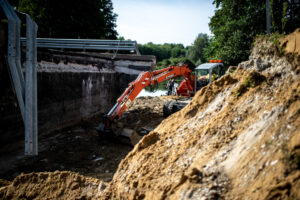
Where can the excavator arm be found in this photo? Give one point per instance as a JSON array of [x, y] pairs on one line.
[[145, 79]]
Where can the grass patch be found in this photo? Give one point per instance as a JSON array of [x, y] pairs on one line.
[[252, 80], [248, 82], [273, 38], [270, 43]]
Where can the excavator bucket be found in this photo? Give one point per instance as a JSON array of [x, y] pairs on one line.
[[135, 138], [117, 132]]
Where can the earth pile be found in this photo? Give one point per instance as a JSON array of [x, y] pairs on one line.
[[239, 138], [145, 112], [51, 185]]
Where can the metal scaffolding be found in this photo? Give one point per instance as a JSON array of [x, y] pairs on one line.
[[26, 89], [86, 44]]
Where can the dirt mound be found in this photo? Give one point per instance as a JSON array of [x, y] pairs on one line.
[[237, 139], [145, 112], [290, 45], [291, 42], [55, 185]]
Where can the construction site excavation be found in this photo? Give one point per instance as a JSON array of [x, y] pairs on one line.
[[112, 119]]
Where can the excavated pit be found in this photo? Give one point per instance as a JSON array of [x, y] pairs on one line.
[[79, 148]]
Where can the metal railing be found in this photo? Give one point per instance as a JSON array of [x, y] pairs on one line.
[[86, 44], [25, 89]]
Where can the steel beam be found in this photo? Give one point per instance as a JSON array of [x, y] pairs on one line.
[[268, 17], [31, 134], [90, 44]]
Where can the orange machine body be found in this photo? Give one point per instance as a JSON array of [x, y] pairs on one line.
[[145, 79]]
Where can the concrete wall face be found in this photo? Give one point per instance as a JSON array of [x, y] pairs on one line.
[[64, 98], [70, 88]]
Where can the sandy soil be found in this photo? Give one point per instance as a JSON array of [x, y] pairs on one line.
[[53, 185], [146, 112], [237, 139]]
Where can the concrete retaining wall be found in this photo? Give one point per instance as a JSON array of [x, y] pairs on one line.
[[71, 86]]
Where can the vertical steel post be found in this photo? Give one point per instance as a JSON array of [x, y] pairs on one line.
[[34, 87], [268, 17], [30, 90], [137, 49], [27, 97]]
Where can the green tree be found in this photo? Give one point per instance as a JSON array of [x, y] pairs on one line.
[[72, 18], [174, 61], [178, 51], [285, 15], [121, 38], [196, 51], [234, 25], [162, 51]]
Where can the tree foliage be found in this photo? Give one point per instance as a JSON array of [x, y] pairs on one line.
[[72, 18], [237, 22], [285, 15], [196, 51], [163, 51], [234, 26], [167, 54], [175, 61]]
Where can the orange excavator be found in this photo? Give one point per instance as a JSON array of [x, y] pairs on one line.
[[145, 79]]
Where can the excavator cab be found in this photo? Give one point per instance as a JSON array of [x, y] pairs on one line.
[[204, 74], [207, 72]]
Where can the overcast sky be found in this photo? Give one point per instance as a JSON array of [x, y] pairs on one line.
[[163, 21]]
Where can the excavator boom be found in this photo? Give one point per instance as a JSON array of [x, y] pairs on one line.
[[145, 79]]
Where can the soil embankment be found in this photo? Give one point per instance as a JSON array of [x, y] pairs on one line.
[[237, 139]]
